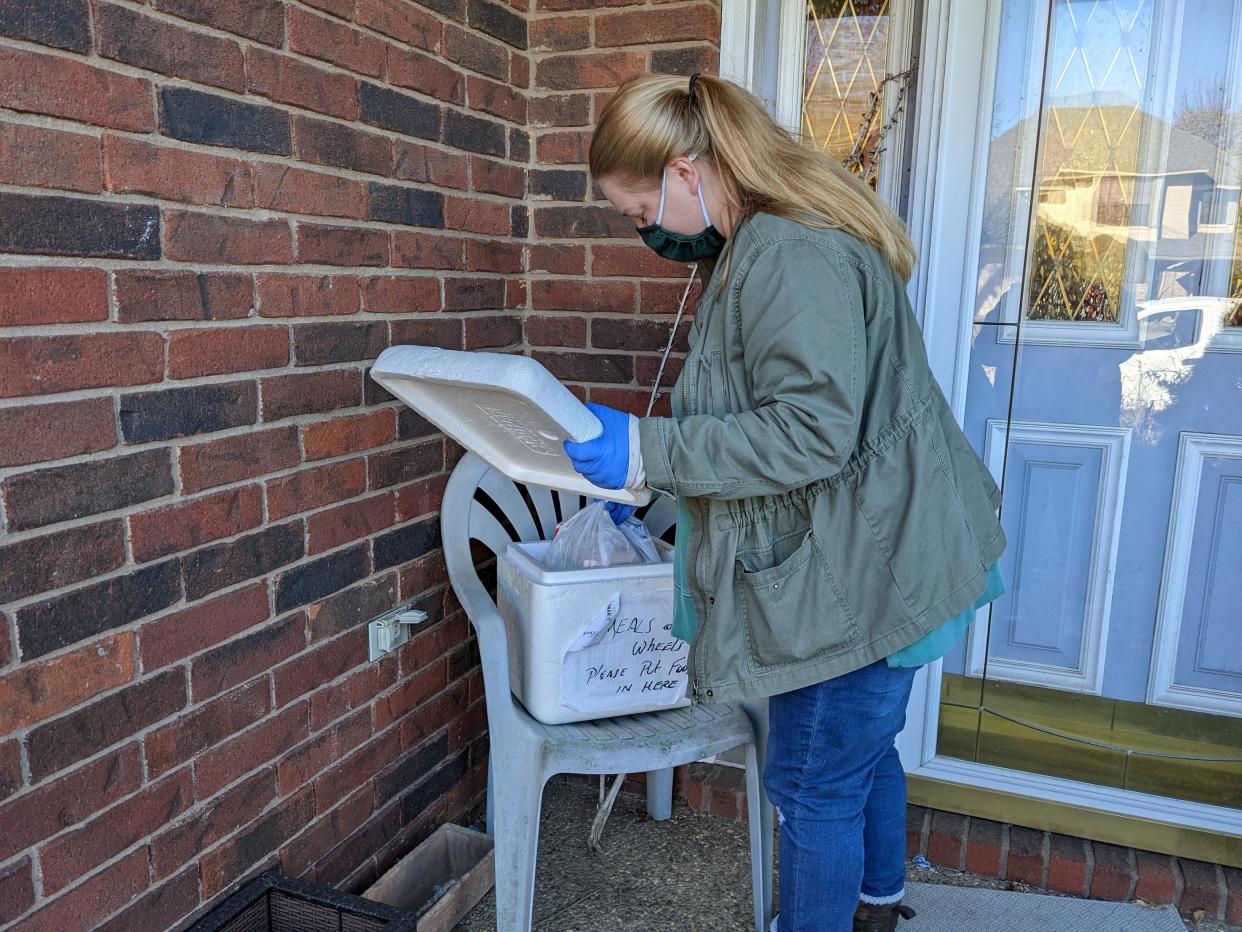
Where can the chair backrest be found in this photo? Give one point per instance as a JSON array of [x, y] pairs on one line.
[[481, 504]]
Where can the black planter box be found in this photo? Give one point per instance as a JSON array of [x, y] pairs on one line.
[[275, 903]]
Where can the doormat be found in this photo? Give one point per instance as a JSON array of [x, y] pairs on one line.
[[944, 908]]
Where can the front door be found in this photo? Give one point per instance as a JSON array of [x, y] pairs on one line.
[[1103, 386]]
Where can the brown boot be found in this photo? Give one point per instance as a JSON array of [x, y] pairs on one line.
[[883, 918]]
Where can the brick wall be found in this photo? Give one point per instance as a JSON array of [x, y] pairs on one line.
[[584, 256], [213, 216]]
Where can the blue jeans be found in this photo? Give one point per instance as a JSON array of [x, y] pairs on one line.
[[840, 792]]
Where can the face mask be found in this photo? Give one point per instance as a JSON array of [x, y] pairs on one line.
[[682, 247]]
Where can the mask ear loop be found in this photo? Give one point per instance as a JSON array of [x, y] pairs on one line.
[[699, 191], [672, 335], [663, 188]]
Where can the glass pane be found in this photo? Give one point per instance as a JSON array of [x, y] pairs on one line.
[[847, 53], [1104, 393]]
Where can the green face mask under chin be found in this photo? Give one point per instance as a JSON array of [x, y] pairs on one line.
[[682, 247]]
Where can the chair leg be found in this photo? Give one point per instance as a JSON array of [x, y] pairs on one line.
[[518, 793], [760, 842], [491, 816], [758, 714], [660, 794]]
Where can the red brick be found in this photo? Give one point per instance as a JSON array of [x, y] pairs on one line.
[[65, 87], [1067, 865], [402, 21], [562, 259], [633, 261], [53, 561], [32, 156], [599, 69], [497, 332], [476, 216], [39, 433], [403, 294], [191, 237], [664, 297], [156, 45], [341, 245], [16, 889], [1157, 878], [350, 434], [310, 393], [321, 665], [314, 488], [153, 295], [326, 833], [426, 75], [225, 763], [52, 296], [560, 110], [426, 251], [134, 167], [262, 20], [280, 187], [232, 459], [1203, 889], [561, 5], [188, 524], [335, 42], [983, 847], [251, 655], [161, 907], [230, 861], [65, 802], [173, 745], [946, 844], [476, 52], [492, 256], [342, 9], [216, 350], [410, 694], [499, 100], [220, 817], [177, 636], [340, 145], [433, 715], [493, 177], [345, 523], [297, 769], [43, 365], [11, 778], [35, 692], [357, 689], [72, 855], [519, 70], [1233, 903], [84, 905], [420, 498], [1026, 856], [307, 295], [353, 771], [1113, 876], [473, 294], [582, 296], [556, 331], [290, 81], [560, 33], [649, 27], [416, 162], [444, 332]]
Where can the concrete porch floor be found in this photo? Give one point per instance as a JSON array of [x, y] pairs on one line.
[[688, 874]]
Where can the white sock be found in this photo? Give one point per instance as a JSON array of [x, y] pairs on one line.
[[882, 900]]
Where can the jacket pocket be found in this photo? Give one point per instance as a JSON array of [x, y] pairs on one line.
[[707, 381], [793, 611]]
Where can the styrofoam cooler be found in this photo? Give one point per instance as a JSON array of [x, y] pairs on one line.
[[546, 612]]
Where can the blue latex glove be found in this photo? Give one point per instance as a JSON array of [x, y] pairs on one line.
[[619, 512], [605, 460]]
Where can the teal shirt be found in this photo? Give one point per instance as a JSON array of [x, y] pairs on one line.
[[931, 646]]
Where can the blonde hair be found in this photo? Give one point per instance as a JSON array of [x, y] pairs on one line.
[[652, 119]]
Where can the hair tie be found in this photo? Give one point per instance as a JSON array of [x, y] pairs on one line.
[[694, 77]]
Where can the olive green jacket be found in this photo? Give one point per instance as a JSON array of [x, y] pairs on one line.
[[837, 512]]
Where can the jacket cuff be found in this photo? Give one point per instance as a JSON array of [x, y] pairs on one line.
[[654, 451]]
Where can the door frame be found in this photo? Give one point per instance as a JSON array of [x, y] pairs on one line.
[[951, 117]]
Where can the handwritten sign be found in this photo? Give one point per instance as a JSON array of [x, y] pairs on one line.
[[626, 657]]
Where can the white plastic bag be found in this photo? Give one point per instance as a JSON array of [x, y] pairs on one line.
[[590, 538]]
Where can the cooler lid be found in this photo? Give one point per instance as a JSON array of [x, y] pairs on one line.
[[509, 410]]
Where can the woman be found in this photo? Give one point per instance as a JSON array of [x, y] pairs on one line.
[[836, 530]]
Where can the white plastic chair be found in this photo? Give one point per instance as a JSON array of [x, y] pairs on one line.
[[526, 752]]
